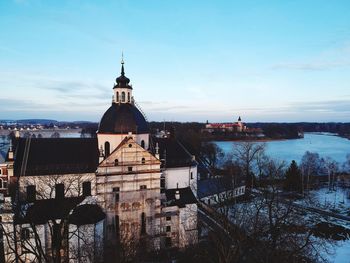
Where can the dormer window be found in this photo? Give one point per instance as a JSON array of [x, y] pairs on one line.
[[86, 188], [31, 192], [59, 191]]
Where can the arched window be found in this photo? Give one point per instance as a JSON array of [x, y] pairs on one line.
[[116, 162], [117, 97], [143, 160], [107, 149], [128, 96], [1, 183], [123, 96], [143, 144]]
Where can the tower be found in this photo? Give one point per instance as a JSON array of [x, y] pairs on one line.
[[122, 119]]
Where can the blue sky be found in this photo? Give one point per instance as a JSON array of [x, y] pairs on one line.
[[187, 60]]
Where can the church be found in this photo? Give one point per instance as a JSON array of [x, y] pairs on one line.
[[88, 198]]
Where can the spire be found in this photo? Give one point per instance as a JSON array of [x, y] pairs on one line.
[[122, 80], [122, 62]]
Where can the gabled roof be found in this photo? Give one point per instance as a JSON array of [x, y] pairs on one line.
[[48, 156], [186, 197], [174, 154], [125, 144]]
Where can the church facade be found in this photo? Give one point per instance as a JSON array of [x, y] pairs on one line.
[[124, 188]]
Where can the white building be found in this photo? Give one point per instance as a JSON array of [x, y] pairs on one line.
[[137, 175], [117, 190]]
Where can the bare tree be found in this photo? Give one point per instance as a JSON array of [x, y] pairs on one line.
[[266, 228], [310, 166], [42, 230], [331, 167], [246, 154], [346, 164]]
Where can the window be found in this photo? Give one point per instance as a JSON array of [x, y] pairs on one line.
[[168, 228], [116, 162], [143, 144], [59, 190], [25, 233], [123, 96], [116, 195], [0, 171], [130, 145], [86, 188], [128, 96], [191, 175], [117, 96], [168, 241], [168, 218], [143, 160], [31, 193], [107, 149], [143, 223], [130, 169], [143, 187], [162, 184], [1, 183], [4, 184]]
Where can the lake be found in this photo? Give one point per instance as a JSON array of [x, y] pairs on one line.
[[325, 144]]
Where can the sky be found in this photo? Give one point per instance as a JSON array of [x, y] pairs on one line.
[[197, 60]]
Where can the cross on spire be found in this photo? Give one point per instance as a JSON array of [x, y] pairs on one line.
[[122, 62]]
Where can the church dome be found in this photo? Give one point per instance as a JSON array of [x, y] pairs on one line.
[[122, 118]]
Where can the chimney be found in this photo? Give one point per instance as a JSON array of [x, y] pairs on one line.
[[177, 195], [10, 156]]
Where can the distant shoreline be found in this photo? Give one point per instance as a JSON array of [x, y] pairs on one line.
[[255, 140]]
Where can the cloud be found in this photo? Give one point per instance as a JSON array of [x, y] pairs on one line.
[[313, 66], [334, 57]]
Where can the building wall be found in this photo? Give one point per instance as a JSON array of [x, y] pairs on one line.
[[116, 139], [129, 191], [223, 196], [188, 231], [45, 184], [180, 177]]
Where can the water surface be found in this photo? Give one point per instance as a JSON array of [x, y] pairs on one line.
[[325, 144]]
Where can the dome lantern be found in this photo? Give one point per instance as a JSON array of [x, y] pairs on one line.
[[122, 89]]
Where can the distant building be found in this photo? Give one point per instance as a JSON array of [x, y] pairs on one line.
[[237, 126]]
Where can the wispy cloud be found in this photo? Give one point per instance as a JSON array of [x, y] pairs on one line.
[[321, 65], [334, 57]]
